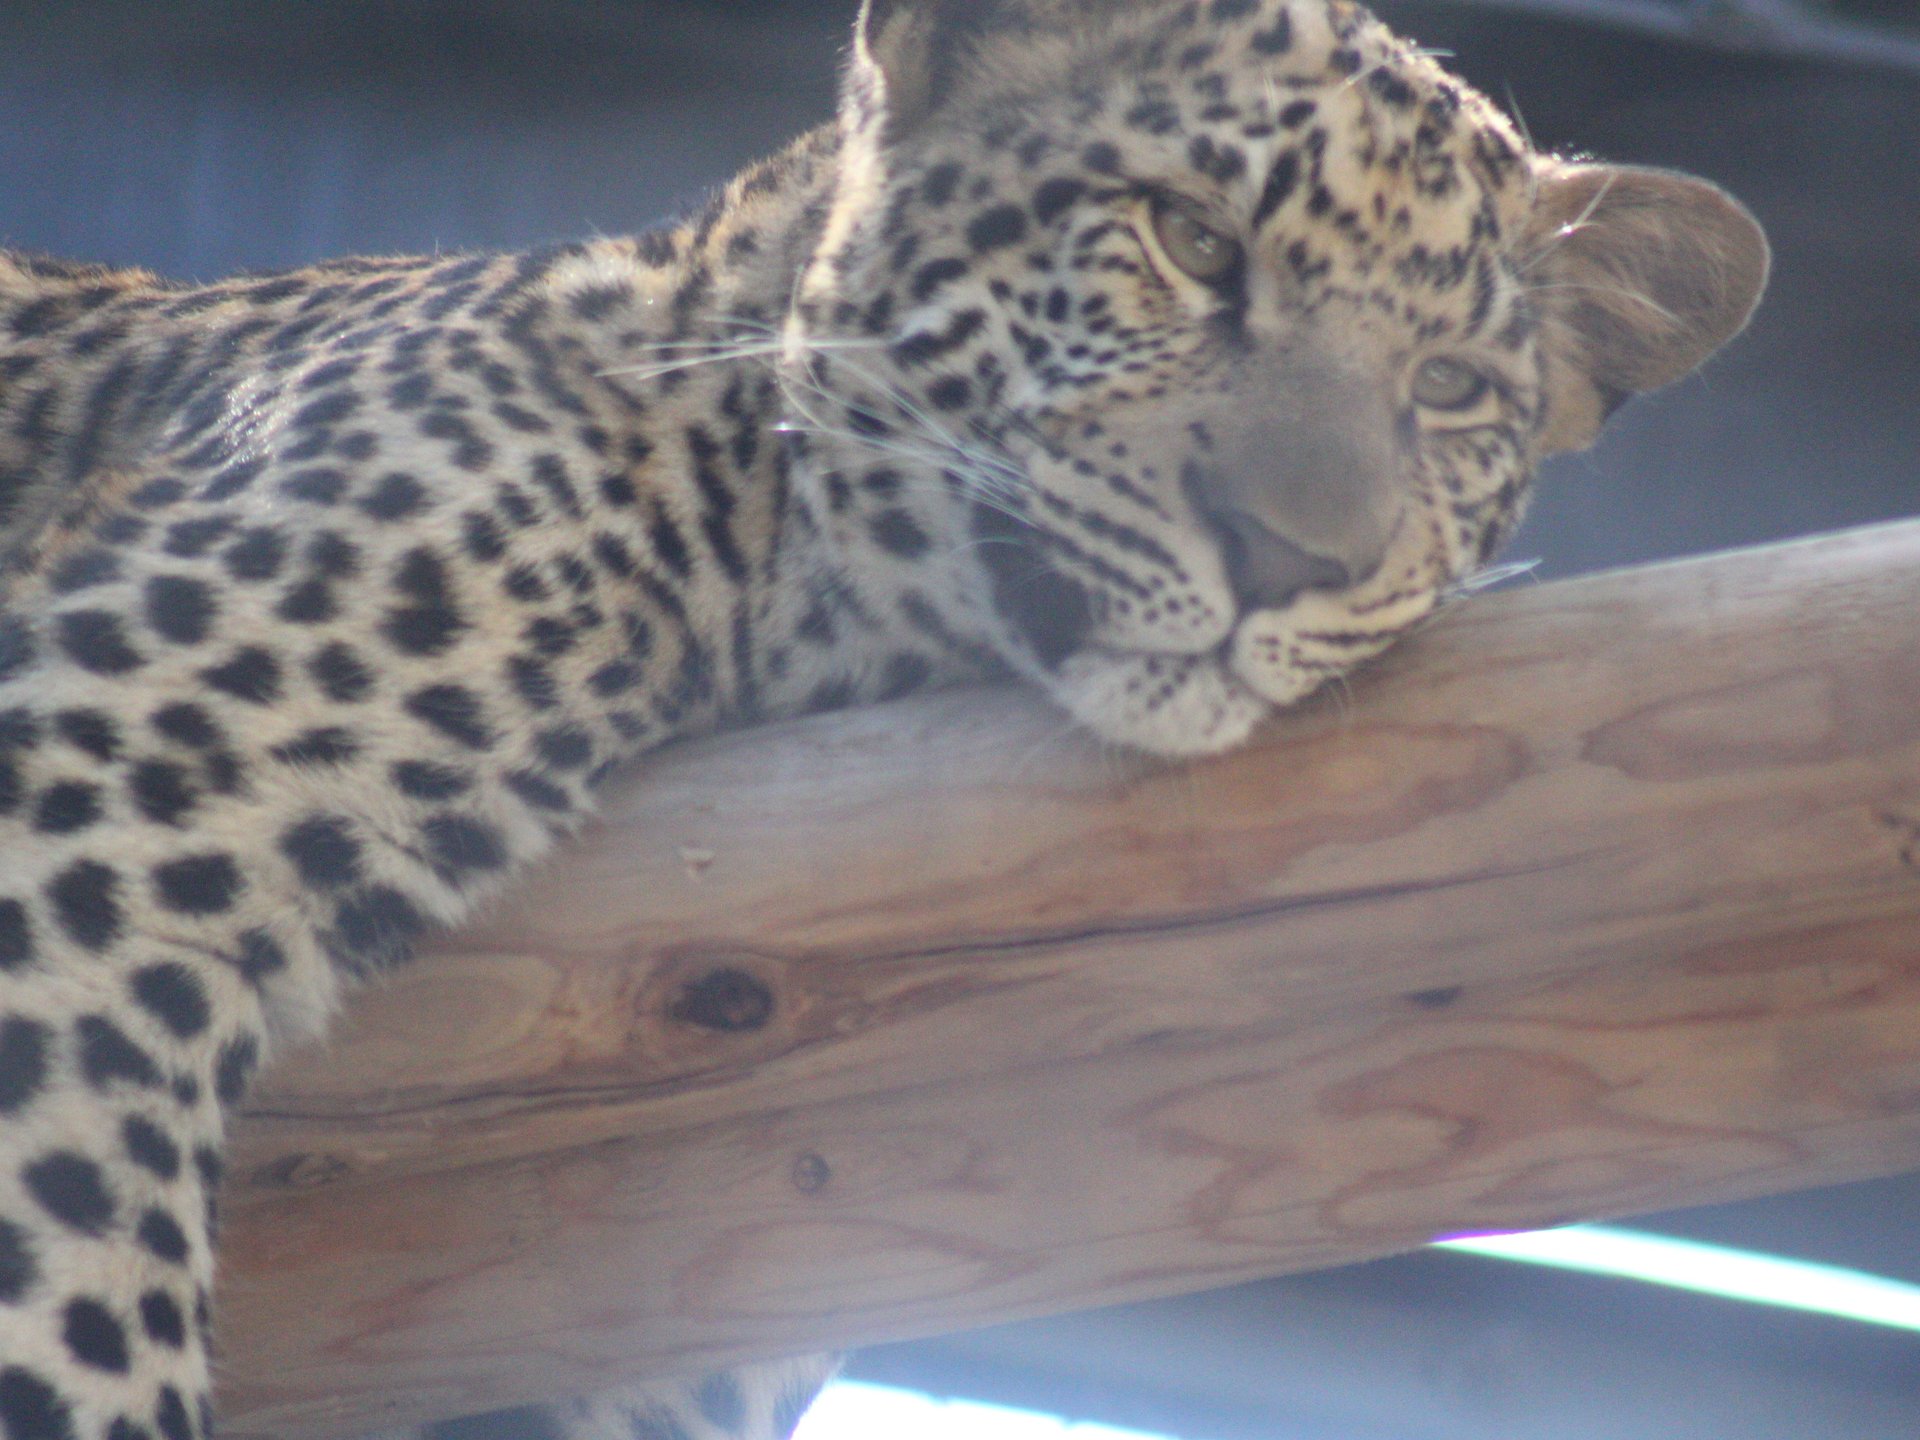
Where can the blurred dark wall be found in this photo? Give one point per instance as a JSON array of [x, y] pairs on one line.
[[204, 136]]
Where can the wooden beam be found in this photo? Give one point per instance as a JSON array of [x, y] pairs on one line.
[[1598, 897]]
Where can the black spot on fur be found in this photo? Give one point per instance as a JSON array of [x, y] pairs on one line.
[[1282, 180], [1056, 197], [256, 556], [722, 1403], [186, 724], [162, 790], [533, 682], [94, 1338], [67, 808], [323, 851], [481, 538], [85, 903], [903, 675], [1278, 39], [174, 996], [455, 712], [23, 1062], [431, 623], [179, 609], [898, 533], [18, 1272], [424, 780], [935, 273], [260, 956], [1050, 611], [17, 649], [341, 674], [198, 884], [92, 731], [172, 1417], [375, 927], [96, 641], [997, 228], [107, 1056], [459, 844], [29, 1408], [539, 792], [565, 748], [616, 677], [325, 745], [189, 539], [71, 1189], [160, 1317], [252, 675], [16, 939], [941, 182], [149, 1147], [238, 1060], [395, 497], [162, 1236], [83, 571], [311, 602]]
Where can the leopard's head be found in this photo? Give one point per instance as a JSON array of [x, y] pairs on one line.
[[1186, 353]]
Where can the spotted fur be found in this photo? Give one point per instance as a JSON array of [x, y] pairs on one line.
[[330, 597]]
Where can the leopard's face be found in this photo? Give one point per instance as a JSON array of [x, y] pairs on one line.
[[1185, 354]]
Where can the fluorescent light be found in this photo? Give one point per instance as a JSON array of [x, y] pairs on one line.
[[1708, 1270], [851, 1410]]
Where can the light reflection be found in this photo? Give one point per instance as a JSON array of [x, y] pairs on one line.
[[851, 1410], [1708, 1270]]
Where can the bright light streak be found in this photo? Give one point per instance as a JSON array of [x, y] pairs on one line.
[[849, 1410], [1708, 1270]]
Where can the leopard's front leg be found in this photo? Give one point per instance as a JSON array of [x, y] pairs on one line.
[[115, 1070]]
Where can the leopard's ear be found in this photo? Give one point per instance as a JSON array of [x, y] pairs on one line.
[[914, 49], [1638, 276]]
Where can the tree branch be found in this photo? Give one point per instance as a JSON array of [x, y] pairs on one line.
[[1598, 897]]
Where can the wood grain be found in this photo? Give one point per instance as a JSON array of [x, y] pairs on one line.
[[1597, 897]]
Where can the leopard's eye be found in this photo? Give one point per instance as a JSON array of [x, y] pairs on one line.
[[1192, 244], [1450, 385]]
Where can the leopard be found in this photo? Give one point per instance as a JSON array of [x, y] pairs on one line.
[[1172, 357]]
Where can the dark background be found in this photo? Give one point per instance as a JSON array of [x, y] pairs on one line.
[[206, 136]]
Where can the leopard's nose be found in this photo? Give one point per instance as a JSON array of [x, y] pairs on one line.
[[1267, 569]]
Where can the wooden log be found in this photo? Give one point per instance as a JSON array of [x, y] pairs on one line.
[[1597, 897]]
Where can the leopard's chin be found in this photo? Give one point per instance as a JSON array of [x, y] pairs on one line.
[[1285, 655], [1176, 706], [1183, 704]]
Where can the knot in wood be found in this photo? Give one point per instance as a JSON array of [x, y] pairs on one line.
[[728, 1000], [811, 1173], [301, 1172]]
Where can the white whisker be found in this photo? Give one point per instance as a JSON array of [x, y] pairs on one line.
[[714, 352], [1492, 575]]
